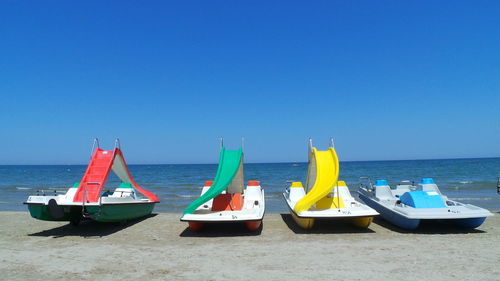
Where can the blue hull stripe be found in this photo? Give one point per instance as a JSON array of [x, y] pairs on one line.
[[391, 216]]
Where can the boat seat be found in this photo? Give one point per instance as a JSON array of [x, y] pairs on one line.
[[330, 203], [403, 188], [428, 184], [400, 190], [72, 191], [206, 187], [430, 187], [383, 192], [253, 191], [343, 191], [122, 192], [228, 202], [297, 191]]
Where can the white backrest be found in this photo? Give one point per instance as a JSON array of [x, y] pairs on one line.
[[123, 192], [70, 194], [253, 193], [430, 187], [383, 192], [296, 193]]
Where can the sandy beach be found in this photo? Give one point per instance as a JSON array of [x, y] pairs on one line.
[[162, 248]]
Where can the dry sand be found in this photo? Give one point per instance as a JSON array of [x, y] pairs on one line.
[[161, 248]]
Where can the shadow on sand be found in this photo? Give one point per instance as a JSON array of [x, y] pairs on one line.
[[222, 230], [325, 226], [88, 228], [428, 227]]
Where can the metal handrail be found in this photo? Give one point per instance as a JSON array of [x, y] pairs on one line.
[[242, 144], [117, 143], [310, 144], [288, 186], [84, 198], [221, 142], [331, 141], [338, 191], [100, 202], [95, 145], [48, 191], [369, 185]]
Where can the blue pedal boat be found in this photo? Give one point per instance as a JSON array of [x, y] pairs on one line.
[[407, 204]]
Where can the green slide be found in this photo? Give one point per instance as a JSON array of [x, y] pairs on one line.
[[229, 164]]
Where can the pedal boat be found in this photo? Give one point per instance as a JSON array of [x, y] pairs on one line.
[[88, 200], [247, 208], [325, 197], [333, 206], [226, 199], [407, 205]]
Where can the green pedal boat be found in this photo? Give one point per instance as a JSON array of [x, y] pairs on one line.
[[226, 199], [88, 200]]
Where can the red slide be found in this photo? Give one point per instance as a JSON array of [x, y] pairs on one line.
[[95, 177], [97, 172]]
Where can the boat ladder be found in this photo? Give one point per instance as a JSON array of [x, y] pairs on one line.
[[85, 213]]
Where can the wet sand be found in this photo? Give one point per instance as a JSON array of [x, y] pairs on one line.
[[162, 248]]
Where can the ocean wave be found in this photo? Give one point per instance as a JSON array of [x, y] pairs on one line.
[[23, 188], [469, 186], [475, 198], [474, 183], [175, 188], [185, 195]]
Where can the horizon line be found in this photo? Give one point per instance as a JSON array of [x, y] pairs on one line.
[[287, 162]]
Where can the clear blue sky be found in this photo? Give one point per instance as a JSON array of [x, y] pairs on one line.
[[386, 79]]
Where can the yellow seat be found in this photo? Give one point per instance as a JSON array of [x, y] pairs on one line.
[[330, 203]]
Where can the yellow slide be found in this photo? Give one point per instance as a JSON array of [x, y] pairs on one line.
[[322, 176]]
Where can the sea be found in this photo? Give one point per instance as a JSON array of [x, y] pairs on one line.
[[472, 181]]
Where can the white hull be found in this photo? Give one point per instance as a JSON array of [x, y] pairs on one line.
[[395, 206], [453, 210], [252, 210], [119, 196]]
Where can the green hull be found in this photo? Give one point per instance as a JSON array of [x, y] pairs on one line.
[[105, 213], [41, 212], [120, 212]]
